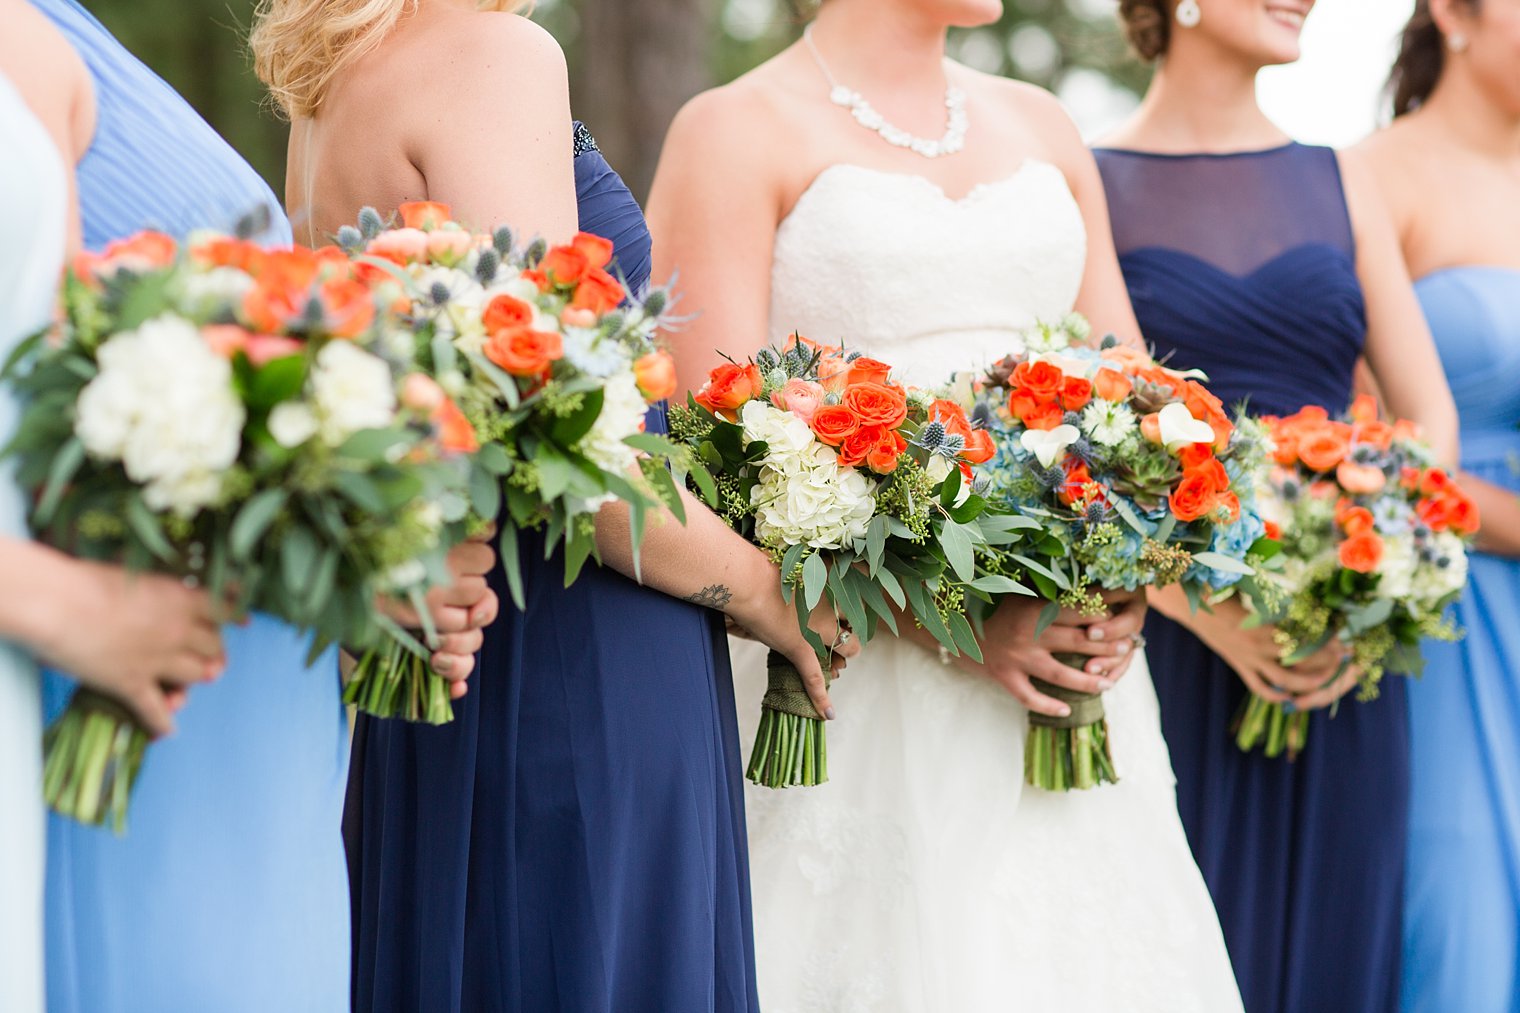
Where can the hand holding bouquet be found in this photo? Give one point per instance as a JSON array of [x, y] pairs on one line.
[[237, 417], [860, 489], [1374, 550], [553, 365], [1136, 478]]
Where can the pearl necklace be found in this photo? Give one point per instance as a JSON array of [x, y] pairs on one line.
[[867, 116]]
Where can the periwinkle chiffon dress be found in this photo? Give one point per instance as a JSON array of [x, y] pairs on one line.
[[1244, 266], [1462, 890], [229, 891], [574, 841]]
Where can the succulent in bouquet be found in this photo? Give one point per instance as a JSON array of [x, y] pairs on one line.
[[860, 490], [1374, 548], [1136, 477], [553, 365], [238, 417]]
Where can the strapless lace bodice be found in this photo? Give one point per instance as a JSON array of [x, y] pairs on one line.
[[889, 264]]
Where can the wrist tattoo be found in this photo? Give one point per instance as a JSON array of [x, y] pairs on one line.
[[713, 596]]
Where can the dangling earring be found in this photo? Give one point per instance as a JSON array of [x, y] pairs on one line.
[[1457, 43], [1189, 14]]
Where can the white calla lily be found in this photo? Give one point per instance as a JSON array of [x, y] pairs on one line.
[[1179, 428], [1048, 445]]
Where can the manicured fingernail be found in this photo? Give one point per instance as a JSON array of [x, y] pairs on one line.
[[1063, 712], [828, 714], [1104, 685], [1095, 633], [440, 664]]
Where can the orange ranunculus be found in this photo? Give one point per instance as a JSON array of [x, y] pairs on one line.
[[272, 306], [1127, 357], [1324, 446], [1230, 504], [347, 307], [1409, 478], [564, 265], [1434, 481], [1433, 511], [145, 251], [1308, 413], [598, 292], [449, 246], [1022, 404], [1077, 480], [1362, 552], [834, 424], [802, 398], [1403, 429], [225, 340], [876, 404], [1360, 478], [225, 251], [855, 448], [952, 416], [1374, 432], [454, 429], [883, 457], [524, 351], [728, 387], [1195, 454], [400, 246], [265, 348], [424, 214], [1193, 498], [1112, 385], [1042, 379], [1205, 407], [504, 313], [1285, 447], [1150, 427], [596, 250], [1355, 520], [656, 376], [1363, 409], [867, 370], [979, 447], [1273, 530], [1046, 416], [1076, 392], [1218, 478], [833, 370], [1463, 514]]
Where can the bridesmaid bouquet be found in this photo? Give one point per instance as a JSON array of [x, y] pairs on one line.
[[236, 416], [860, 489], [553, 364], [1374, 550], [1136, 478]]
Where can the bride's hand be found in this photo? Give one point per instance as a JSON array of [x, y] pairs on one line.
[[1012, 655], [767, 618]]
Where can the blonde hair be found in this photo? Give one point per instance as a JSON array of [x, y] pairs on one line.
[[299, 46]]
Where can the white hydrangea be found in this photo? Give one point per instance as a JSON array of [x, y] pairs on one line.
[[587, 352], [1107, 423], [351, 390], [822, 505], [790, 443], [292, 423], [623, 410], [163, 405], [209, 293], [1405, 575]]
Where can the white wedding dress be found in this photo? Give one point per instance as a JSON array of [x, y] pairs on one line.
[[31, 256], [925, 877]]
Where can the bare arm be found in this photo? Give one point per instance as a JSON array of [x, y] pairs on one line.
[[714, 211]]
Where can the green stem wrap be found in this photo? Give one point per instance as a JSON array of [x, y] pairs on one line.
[[392, 682], [92, 755], [1070, 752], [1267, 724], [790, 748]]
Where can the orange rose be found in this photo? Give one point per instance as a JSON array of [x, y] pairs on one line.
[[1150, 427], [347, 308], [1403, 429], [1363, 409], [802, 398], [1112, 385], [1205, 407], [1274, 530], [1360, 478], [979, 447], [952, 416], [656, 376], [1195, 455], [598, 292], [564, 265], [1376, 433], [271, 305], [421, 393], [505, 313], [224, 251], [1076, 393], [1022, 404], [449, 246], [145, 251], [1128, 358], [1285, 447], [866, 370], [1462, 513], [574, 316], [596, 250], [1324, 447], [1308, 413], [524, 351], [855, 448], [424, 214], [1193, 498], [729, 386], [1362, 552], [834, 424], [1434, 481], [1355, 520], [1046, 417], [1230, 504], [1042, 379], [1077, 480], [833, 372], [1212, 471], [876, 404], [454, 430], [883, 457], [1409, 478]]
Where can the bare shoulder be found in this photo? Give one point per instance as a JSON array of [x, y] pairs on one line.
[[1036, 111], [740, 127], [49, 74]]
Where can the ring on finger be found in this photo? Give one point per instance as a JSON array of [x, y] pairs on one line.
[[1139, 641], [845, 636]]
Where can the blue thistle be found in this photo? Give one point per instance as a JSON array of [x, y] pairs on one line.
[[536, 251], [951, 445], [852, 356], [350, 238], [1051, 478], [982, 415], [1072, 419], [767, 360], [614, 321], [931, 435], [439, 293], [656, 302], [314, 315], [1083, 448], [502, 240], [1096, 513], [253, 223], [487, 266], [370, 222], [1109, 341]]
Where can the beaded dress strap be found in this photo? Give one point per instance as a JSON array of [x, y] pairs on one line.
[[584, 142]]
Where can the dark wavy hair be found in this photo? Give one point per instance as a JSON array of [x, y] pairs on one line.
[[1422, 57], [1148, 26]]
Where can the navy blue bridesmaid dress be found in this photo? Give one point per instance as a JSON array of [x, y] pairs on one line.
[[575, 840], [1244, 266]]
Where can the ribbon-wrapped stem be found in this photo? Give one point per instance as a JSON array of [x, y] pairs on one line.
[[1270, 725], [93, 754], [1070, 752], [790, 749]]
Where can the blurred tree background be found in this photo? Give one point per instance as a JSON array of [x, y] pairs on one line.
[[633, 62]]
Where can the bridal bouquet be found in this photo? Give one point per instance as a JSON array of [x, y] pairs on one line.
[[236, 416], [554, 366], [860, 489], [1374, 550], [1136, 478]]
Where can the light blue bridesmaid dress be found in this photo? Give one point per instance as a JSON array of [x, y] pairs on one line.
[[229, 892], [1462, 886]]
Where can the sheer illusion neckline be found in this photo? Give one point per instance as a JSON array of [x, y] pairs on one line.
[[1275, 149], [923, 182]]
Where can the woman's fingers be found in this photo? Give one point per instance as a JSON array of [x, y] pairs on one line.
[[1018, 684], [485, 611], [1259, 686], [1127, 622], [1053, 671], [471, 559], [806, 662], [152, 711], [467, 591], [1326, 696], [453, 667], [1067, 639]]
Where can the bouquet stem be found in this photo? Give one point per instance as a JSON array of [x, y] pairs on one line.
[[1062, 754], [1267, 724], [393, 682], [790, 748], [92, 757]]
